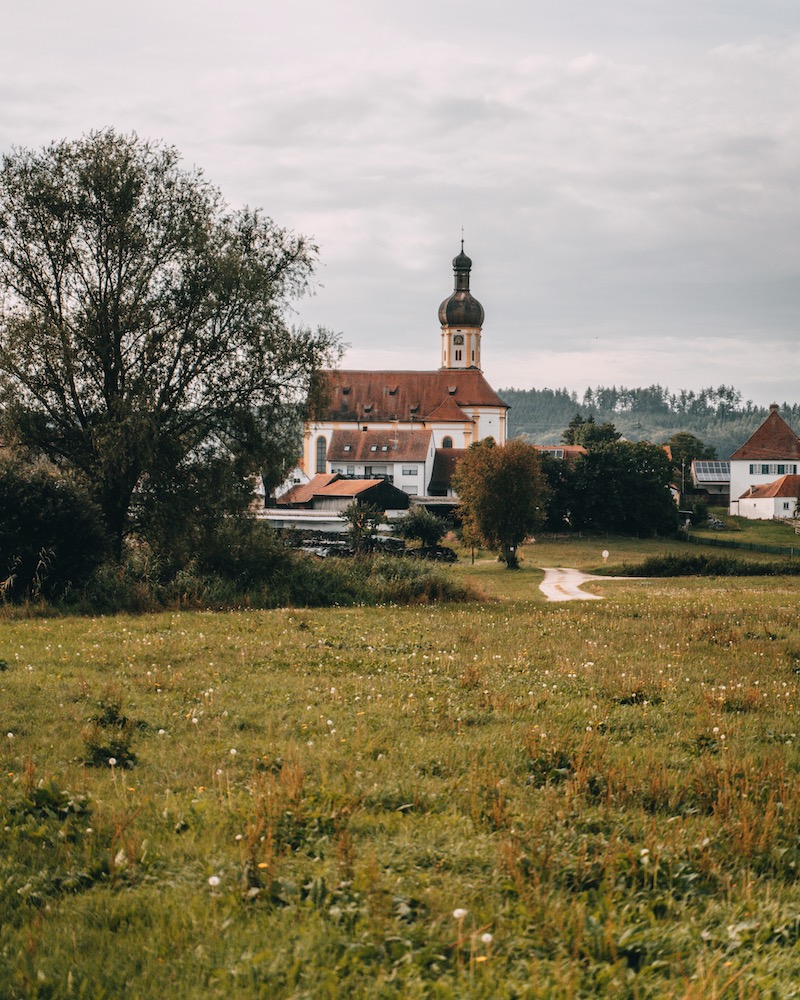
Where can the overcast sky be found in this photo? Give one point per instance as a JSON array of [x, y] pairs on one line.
[[627, 172]]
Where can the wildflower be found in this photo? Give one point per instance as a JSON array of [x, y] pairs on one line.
[[161, 732], [112, 761], [233, 751], [460, 913], [487, 938], [213, 881], [10, 736]]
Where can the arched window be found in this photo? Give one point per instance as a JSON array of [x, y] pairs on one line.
[[322, 453], [447, 442]]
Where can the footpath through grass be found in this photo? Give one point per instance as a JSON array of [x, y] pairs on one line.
[[504, 799]]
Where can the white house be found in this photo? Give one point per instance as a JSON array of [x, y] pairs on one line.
[[771, 456], [774, 500]]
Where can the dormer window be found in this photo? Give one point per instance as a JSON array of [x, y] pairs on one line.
[[452, 389], [345, 390], [393, 391], [367, 407], [415, 408]]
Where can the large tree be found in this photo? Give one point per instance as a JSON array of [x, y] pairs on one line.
[[144, 337], [588, 433], [685, 448], [624, 487], [502, 494]]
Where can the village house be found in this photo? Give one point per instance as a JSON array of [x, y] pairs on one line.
[[764, 480]]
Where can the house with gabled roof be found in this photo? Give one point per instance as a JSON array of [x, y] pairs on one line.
[[778, 500], [318, 505], [395, 424], [770, 455]]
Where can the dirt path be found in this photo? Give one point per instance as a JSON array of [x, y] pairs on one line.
[[565, 584]]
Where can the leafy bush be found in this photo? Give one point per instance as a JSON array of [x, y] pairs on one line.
[[285, 578], [702, 565], [422, 526], [51, 533]]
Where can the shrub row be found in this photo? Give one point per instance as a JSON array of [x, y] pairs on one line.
[[703, 565]]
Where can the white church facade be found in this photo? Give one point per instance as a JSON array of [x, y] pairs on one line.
[[410, 427]]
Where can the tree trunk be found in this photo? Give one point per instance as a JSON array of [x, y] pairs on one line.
[[510, 557]]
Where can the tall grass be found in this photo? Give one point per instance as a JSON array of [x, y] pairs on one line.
[[312, 796]]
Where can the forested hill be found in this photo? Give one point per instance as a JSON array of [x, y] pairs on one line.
[[718, 416]]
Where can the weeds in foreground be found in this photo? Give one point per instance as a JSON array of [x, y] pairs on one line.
[[462, 800]]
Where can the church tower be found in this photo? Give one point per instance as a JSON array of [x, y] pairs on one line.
[[461, 317]]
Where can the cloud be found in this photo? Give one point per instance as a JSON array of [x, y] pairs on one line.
[[625, 172]]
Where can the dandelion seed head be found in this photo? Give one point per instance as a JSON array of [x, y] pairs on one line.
[[459, 913]]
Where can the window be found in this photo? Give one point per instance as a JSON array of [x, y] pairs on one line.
[[384, 447], [773, 469], [410, 490], [458, 355], [447, 442], [348, 447], [351, 470], [373, 447], [410, 470], [322, 453], [786, 505]]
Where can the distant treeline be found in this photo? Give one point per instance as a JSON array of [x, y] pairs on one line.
[[718, 416]]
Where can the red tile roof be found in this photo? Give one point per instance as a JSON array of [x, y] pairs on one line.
[[773, 440], [400, 446], [370, 396], [303, 492], [570, 452], [444, 465], [786, 486], [347, 487], [448, 411]]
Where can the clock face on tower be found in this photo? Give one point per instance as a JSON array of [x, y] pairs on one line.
[[458, 338]]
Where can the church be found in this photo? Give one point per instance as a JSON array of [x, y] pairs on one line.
[[410, 427]]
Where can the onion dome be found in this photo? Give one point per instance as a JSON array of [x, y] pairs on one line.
[[461, 308]]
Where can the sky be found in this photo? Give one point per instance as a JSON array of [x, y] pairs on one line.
[[626, 173]]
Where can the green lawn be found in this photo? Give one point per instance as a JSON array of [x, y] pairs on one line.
[[609, 789]]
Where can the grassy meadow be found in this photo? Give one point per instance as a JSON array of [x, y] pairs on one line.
[[500, 799]]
